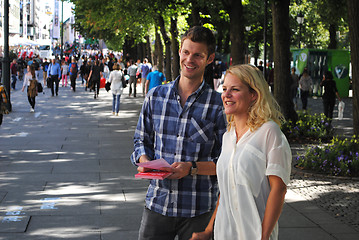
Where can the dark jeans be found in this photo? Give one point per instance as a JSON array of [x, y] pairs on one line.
[[132, 81], [31, 101], [73, 82], [13, 83], [329, 107], [96, 87], [155, 226], [54, 80], [304, 96]]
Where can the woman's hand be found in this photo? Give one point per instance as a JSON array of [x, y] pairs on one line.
[[206, 235]]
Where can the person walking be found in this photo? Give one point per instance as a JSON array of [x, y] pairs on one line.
[[13, 70], [254, 167], [294, 87], [145, 70], [183, 123], [154, 79], [115, 79], [73, 73], [64, 72], [95, 77], [54, 71], [305, 85], [44, 66], [30, 83], [330, 93], [132, 70]]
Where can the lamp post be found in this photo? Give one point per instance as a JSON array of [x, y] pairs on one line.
[[6, 58], [62, 29], [248, 28], [300, 20]]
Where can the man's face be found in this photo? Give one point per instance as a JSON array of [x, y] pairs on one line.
[[194, 59]]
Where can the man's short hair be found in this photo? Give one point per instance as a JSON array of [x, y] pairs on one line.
[[201, 35]]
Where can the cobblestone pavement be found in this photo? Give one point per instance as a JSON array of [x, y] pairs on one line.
[[338, 196]]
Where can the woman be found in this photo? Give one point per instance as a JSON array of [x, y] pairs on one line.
[[64, 72], [305, 85], [116, 87], [31, 83], [94, 77], [254, 166], [330, 92]]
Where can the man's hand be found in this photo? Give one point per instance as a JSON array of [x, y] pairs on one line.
[[179, 169], [143, 158]]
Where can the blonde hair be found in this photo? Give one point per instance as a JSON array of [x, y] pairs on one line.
[[265, 107]]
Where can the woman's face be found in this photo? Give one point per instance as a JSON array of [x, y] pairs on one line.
[[236, 96]]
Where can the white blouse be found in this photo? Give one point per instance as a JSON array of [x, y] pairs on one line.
[[116, 83], [242, 170]]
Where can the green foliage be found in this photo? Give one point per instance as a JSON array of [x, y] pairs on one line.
[[309, 127], [339, 158]]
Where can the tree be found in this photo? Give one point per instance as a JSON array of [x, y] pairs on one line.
[[281, 45], [353, 16], [235, 10]]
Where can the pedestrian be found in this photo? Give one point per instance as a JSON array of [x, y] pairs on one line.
[[145, 70], [294, 87], [330, 93], [182, 122], [30, 83], [54, 72], [154, 79], [116, 87], [106, 69], [64, 72], [44, 66], [253, 169], [305, 85], [73, 73], [87, 70], [131, 71], [13, 70], [95, 77]]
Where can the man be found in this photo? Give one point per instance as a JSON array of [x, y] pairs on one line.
[[145, 70], [183, 123], [54, 72], [13, 70], [44, 66], [73, 68], [131, 71], [154, 79]]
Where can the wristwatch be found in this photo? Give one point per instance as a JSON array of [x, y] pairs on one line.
[[193, 171]]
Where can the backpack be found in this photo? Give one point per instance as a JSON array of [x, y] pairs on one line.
[[73, 69], [39, 87]]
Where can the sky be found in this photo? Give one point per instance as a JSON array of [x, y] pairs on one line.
[[67, 8]]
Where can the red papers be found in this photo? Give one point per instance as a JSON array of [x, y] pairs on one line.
[[153, 175], [156, 165]]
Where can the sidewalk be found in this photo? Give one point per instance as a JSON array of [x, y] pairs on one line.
[[65, 173]]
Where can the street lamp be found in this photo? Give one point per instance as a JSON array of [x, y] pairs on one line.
[[248, 28], [300, 20]]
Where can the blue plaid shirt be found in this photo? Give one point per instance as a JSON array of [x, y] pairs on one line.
[[192, 133]]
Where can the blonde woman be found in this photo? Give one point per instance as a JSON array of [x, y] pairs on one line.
[[254, 166]]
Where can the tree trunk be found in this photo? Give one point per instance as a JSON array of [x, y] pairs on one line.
[[281, 45], [175, 48], [159, 52], [332, 36], [353, 12], [236, 31], [148, 53], [167, 41]]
